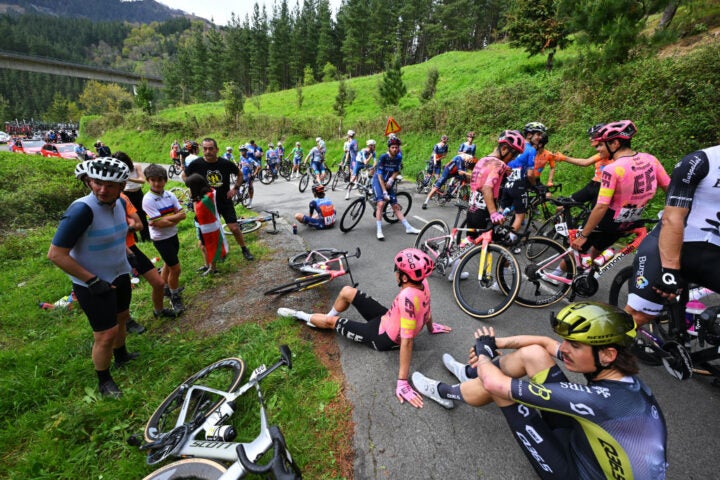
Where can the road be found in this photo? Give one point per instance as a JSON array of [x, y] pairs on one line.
[[394, 441]]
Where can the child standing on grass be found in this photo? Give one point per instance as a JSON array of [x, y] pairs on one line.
[[164, 213], [213, 244]]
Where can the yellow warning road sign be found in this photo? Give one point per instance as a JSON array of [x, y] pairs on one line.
[[391, 127]]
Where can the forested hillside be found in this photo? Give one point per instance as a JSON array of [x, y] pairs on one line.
[[145, 11]]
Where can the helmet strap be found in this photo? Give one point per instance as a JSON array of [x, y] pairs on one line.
[[599, 367], [611, 152]]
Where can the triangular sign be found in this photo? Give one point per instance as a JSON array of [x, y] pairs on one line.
[[391, 127]]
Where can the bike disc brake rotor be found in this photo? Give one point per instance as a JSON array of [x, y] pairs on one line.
[[585, 285], [678, 363]]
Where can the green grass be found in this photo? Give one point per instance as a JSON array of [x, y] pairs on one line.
[[55, 426]]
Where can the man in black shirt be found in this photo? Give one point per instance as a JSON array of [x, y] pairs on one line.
[[217, 171]]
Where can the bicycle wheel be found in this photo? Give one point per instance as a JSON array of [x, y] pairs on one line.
[[476, 281], [335, 182], [404, 200], [326, 180], [304, 180], [352, 215], [266, 176], [553, 229], [225, 375], [285, 170], [464, 193], [419, 181], [189, 468], [434, 239], [300, 284], [311, 257], [182, 194], [174, 171], [250, 227], [539, 256]]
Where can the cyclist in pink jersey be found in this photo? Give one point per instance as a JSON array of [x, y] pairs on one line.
[[627, 185], [386, 329]]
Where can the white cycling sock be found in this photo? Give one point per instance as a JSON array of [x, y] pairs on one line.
[[406, 224], [333, 312], [379, 225], [305, 317]]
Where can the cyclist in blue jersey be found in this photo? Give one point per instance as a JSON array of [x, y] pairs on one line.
[[365, 159], [350, 149], [685, 246], [460, 167], [440, 151], [387, 170], [468, 146], [611, 427], [317, 163], [521, 176], [322, 210], [248, 168], [272, 159]]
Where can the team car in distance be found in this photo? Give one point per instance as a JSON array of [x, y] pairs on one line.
[[59, 150], [28, 147]]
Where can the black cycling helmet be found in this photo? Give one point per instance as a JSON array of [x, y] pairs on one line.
[[318, 189], [393, 141], [593, 131]]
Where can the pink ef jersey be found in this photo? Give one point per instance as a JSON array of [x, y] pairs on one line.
[[629, 183], [488, 171], [408, 314]]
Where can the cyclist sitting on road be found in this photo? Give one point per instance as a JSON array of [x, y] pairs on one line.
[[468, 146], [272, 159], [317, 163], [459, 167], [322, 211], [365, 159], [610, 428], [386, 329], [514, 194], [628, 184], [387, 170], [297, 156], [248, 167], [685, 246]]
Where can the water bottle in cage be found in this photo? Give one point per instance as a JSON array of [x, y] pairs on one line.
[[604, 257], [221, 433]]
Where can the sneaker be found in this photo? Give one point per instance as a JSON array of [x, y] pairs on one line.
[[557, 272], [246, 253], [410, 230], [516, 250], [166, 312], [110, 390], [119, 363], [455, 367], [200, 270], [249, 205], [209, 271], [428, 387], [494, 287], [177, 303], [463, 275], [286, 312], [133, 327], [380, 235], [424, 206], [168, 293]]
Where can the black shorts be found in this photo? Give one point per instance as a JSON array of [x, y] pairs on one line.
[[102, 310], [366, 332], [477, 219], [227, 211], [140, 261], [168, 250], [515, 197], [588, 193]]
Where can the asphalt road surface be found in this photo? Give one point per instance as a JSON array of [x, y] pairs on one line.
[[394, 441]]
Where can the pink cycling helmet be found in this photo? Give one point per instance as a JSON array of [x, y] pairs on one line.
[[622, 130], [414, 263], [512, 139]]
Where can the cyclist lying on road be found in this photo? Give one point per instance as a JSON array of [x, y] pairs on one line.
[[386, 329], [610, 428]]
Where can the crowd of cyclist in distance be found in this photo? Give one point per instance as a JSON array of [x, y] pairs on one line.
[[595, 338]]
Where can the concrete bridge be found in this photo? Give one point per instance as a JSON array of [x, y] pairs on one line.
[[15, 61]]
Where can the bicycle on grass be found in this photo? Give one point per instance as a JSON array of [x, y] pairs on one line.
[[249, 225], [322, 265], [683, 342], [486, 277], [325, 177], [545, 282], [193, 421], [354, 212]]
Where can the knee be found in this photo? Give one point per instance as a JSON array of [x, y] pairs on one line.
[[348, 293]]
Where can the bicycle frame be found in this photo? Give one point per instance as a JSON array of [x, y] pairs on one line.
[[325, 265], [452, 251]]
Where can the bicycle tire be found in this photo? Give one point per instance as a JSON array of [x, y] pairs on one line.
[[300, 284], [352, 214], [335, 182], [547, 229], [328, 176], [535, 292], [266, 176], [285, 170], [182, 194], [174, 171], [405, 205], [296, 262], [250, 227], [225, 374], [434, 240], [419, 180], [477, 297], [189, 468], [303, 183]]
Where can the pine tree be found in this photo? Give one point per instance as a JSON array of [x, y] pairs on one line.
[[537, 28], [392, 87]]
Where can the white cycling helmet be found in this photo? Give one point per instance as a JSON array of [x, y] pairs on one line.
[[297, 144], [228, 149], [81, 169], [370, 142], [270, 145], [279, 144], [351, 133], [318, 139], [108, 169]]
